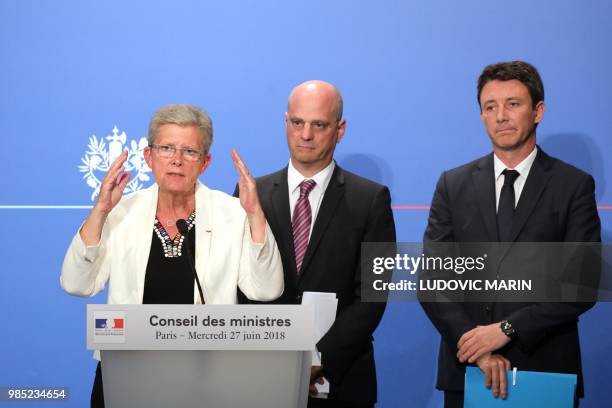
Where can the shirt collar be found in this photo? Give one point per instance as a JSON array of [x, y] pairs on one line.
[[294, 177], [523, 167]]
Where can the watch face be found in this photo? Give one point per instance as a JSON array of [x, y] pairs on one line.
[[506, 328]]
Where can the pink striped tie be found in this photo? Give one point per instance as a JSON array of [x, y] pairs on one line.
[[302, 218]]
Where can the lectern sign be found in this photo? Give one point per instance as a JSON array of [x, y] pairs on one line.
[[199, 327]]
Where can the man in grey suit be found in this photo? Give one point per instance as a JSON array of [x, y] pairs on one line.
[[320, 214], [518, 193]]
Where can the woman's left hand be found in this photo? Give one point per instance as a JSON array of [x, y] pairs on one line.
[[249, 199]]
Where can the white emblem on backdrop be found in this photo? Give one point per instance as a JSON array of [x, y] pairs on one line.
[[99, 158]]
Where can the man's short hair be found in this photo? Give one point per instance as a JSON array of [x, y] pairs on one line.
[[182, 115], [522, 71]]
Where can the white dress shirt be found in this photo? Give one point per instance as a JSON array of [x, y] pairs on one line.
[[322, 178], [523, 168]]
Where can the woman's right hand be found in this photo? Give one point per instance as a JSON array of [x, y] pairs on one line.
[[111, 189], [111, 192]]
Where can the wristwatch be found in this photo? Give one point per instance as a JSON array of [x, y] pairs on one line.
[[507, 329]]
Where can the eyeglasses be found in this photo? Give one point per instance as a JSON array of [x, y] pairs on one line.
[[168, 151], [316, 125]]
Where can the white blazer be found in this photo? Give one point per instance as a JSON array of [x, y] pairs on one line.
[[225, 255]]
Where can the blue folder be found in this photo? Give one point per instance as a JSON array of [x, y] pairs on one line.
[[532, 389]]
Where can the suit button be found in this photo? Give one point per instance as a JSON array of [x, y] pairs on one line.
[[487, 309], [298, 298]]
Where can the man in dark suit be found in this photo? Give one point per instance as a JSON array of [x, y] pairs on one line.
[[320, 214], [518, 193]]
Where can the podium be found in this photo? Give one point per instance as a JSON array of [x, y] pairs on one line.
[[217, 356]]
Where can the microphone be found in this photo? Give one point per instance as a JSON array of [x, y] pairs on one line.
[[184, 230]]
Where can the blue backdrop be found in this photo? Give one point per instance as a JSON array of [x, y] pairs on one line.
[[407, 69]]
